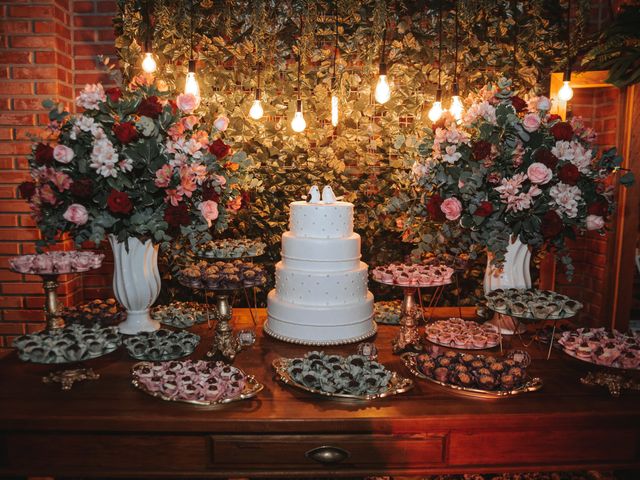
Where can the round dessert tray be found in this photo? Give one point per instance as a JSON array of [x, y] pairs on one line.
[[104, 312], [594, 338], [250, 389], [232, 249], [161, 345], [180, 314], [387, 312], [396, 385], [465, 328]]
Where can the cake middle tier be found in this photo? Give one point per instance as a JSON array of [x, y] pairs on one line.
[[304, 287], [321, 255]]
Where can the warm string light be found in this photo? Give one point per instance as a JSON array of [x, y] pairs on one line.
[[335, 116], [256, 112], [436, 110], [383, 91], [456, 108], [191, 82], [298, 124], [566, 92], [148, 62]]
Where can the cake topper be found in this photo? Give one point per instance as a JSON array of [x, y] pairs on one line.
[[314, 195], [327, 195]]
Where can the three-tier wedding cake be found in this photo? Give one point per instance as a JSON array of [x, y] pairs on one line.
[[321, 295]]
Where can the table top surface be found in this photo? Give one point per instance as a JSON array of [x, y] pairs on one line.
[[113, 404]]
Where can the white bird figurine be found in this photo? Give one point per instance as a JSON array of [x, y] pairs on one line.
[[314, 195], [327, 195]]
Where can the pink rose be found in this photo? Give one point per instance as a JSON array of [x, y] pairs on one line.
[[209, 210], [539, 173], [63, 154], [187, 102], [451, 207], [76, 213], [189, 122], [531, 122], [221, 123], [595, 222]]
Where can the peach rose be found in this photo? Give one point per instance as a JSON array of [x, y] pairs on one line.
[[451, 207], [63, 154], [221, 123], [539, 173], [189, 122], [76, 213], [531, 122], [595, 222], [209, 211], [187, 102]]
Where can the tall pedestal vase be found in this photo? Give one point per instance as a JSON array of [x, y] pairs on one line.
[[514, 273], [136, 282]]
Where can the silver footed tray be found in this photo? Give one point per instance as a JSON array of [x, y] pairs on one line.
[[180, 314], [161, 345], [474, 380], [230, 248], [532, 304], [463, 334], [195, 382], [354, 377]]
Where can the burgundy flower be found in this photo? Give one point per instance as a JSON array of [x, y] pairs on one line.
[[433, 207], [119, 202], [562, 131], [219, 149], [551, 224], [150, 107], [553, 117], [27, 190], [43, 154], [598, 207], [82, 188], [518, 103], [177, 216], [125, 132], [246, 199], [484, 209], [569, 174], [209, 193], [114, 93], [481, 149], [544, 156]]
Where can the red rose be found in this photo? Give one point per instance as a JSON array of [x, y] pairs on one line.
[[433, 207], [481, 149], [177, 216], [174, 106], [150, 107], [82, 188], [562, 131], [518, 103], [119, 202], [43, 154], [27, 190], [545, 157], [551, 224], [600, 208], [246, 199], [114, 93], [553, 117], [219, 149], [209, 193], [484, 209], [125, 132], [569, 174]]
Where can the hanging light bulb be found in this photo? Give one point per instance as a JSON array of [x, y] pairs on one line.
[[566, 92], [191, 84], [148, 63], [256, 111], [456, 107], [334, 110], [298, 124], [383, 91], [436, 110]]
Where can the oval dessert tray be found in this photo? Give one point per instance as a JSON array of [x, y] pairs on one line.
[[463, 334], [395, 384], [413, 276], [531, 304], [230, 248], [610, 349], [166, 374], [57, 263], [180, 314], [74, 343], [526, 385], [161, 345]]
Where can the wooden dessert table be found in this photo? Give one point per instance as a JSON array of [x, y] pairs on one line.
[[107, 428]]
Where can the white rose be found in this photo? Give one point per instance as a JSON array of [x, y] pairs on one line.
[[63, 154], [595, 222]]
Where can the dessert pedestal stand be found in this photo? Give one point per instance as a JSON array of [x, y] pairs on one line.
[[408, 337], [66, 378]]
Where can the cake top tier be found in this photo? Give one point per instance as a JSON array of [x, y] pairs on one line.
[[321, 220]]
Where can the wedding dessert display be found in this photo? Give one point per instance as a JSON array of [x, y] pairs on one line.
[[532, 304], [474, 375], [197, 382], [75, 343], [464, 334], [104, 312], [387, 312], [230, 248], [161, 345], [57, 263], [321, 295], [603, 347], [180, 314], [413, 275], [222, 275], [355, 376]]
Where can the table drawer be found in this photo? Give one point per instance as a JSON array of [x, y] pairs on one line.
[[326, 451]]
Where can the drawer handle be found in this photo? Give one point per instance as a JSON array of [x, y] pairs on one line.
[[327, 455]]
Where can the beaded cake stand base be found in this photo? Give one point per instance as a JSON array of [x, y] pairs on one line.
[[66, 378]]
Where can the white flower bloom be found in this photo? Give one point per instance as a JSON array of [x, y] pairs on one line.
[[91, 97], [104, 158], [482, 109], [85, 123], [147, 126], [575, 153], [108, 170], [566, 197], [420, 169], [126, 165], [451, 156]]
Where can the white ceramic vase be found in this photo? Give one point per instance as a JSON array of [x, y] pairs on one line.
[[136, 282]]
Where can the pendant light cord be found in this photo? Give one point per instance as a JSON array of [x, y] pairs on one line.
[[300, 56], [514, 59], [335, 49], [191, 27], [569, 34], [440, 48], [455, 59]]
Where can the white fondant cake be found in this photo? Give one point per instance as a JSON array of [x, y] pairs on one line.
[[321, 295]]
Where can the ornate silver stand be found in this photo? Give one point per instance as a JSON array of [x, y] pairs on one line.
[[52, 313], [225, 342]]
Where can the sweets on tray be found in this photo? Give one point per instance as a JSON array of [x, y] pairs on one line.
[[180, 314], [57, 262], [387, 312], [230, 248], [603, 347], [459, 333], [104, 312], [407, 274], [161, 345], [532, 303], [223, 275]]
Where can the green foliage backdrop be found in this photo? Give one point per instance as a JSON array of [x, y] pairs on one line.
[[368, 155]]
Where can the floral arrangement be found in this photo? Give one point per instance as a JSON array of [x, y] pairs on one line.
[[134, 164], [510, 169]]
